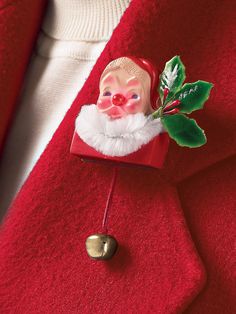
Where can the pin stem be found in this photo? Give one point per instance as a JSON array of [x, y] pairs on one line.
[[109, 199]]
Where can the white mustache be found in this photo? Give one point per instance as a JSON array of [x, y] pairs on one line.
[[108, 108]]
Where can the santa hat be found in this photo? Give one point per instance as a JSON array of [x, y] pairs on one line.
[[150, 69], [144, 64]]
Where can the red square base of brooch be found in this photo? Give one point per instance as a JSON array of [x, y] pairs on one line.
[[150, 155]]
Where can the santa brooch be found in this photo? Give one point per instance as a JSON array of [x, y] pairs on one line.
[[136, 113]]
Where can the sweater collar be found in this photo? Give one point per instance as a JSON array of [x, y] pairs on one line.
[[81, 19]]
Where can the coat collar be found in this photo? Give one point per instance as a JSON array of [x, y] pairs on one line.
[[57, 205]]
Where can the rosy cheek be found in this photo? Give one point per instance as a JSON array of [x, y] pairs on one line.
[[104, 103], [133, 106]]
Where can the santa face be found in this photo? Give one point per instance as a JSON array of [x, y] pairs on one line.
[[122, 94]]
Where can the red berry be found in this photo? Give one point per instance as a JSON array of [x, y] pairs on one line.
[[175, 103], [165, 92], [173, 111]]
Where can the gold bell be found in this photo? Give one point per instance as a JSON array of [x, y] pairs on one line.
[[101, 246]]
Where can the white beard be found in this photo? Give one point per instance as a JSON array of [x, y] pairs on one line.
[[115, 137]]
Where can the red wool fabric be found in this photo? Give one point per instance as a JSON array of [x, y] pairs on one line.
[[175, 227], [17, 23]]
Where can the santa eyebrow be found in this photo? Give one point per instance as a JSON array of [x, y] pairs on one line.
[[106, 88], [108, 79], [132, 82], [134, 90]]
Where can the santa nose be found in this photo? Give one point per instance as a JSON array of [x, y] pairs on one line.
[[118, 100]]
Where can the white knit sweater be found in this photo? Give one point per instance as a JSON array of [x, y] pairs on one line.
[[72, 36]]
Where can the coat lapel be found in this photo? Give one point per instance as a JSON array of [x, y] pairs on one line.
[[157, 268]]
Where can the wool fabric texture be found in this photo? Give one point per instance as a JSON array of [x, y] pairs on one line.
[[175, 226]]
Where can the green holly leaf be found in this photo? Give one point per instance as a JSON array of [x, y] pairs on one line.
[[183, 130], [172, 77], [193, 96]]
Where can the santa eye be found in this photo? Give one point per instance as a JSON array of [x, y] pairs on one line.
[[134, 96], [107, 93]]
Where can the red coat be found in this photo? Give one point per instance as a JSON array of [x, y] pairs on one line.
[[176, 227]]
